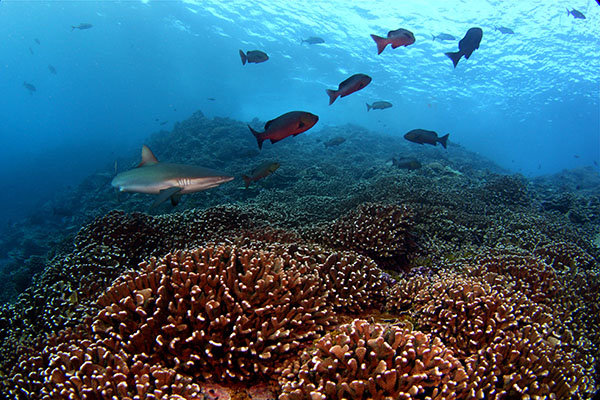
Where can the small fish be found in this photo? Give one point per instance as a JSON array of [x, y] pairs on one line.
[[379, 105], [52, 69], [397, 38], [31, 50], [289, 124], [253, 56], [29, 87], [576, 155], [313, 40], [37, 40], [262, 171], [443, 36], [349, 86], [167, 180], [82, 26], [576, 14], [423, 136], [467, 45], [210, 98], [596, 162], [406, 163], [164, 123], [336, 141], [505, 30]]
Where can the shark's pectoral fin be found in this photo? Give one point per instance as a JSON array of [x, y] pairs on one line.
[[164, 194], [175, 199]]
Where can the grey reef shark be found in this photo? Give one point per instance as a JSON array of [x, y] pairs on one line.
[[167, 180]]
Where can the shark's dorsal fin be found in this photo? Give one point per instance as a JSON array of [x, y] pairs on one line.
[[148, 158]]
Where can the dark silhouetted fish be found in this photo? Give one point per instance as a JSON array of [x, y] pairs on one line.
[[52, 69], [379, 105], [29, 87], [262, 171], [467, 45], [210, 98], [82, 26], [505, 30], [406, 163], [31, 50], [336, 141], [313, 40], [397, 38], [423, 136], [167, 180], [443, 36], [253, 56], [349, 86], [289, 124], [576, 14], [164, 123], [37, 40]]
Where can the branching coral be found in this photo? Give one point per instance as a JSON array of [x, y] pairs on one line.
[[373, 361], [499, 334], [381, 232], [218, 313]]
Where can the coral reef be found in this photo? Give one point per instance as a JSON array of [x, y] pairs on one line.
[[373, 361], [381, 232], [468, 283]]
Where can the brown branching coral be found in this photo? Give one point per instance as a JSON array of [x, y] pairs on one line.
[[563, 256], [215, 314], [220, 313], [373, 361], [499, 335], [381, 232]]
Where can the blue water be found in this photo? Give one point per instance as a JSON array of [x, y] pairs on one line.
[[528, 101]]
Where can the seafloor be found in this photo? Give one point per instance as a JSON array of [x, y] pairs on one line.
[[341, 276]]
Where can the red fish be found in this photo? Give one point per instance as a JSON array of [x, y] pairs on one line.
[[288, 124], [350, 85], [397, 38]]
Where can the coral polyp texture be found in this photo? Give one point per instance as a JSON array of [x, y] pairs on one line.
[[373, 361]]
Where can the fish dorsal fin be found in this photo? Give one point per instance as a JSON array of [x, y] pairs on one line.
[[148, 158]]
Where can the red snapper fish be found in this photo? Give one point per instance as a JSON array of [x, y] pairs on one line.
[[289, 124], [349, 86], [397, 38]]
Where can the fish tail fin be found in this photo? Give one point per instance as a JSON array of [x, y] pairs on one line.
[[256, 134], [444, 140], [302, 41], [568, 12], [369, 107], [333, 94], [73, 28], [455, 57], [381, 43], [244, 58], [247, 180]]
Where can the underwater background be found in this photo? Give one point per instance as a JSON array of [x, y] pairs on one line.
[[470, 271]]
